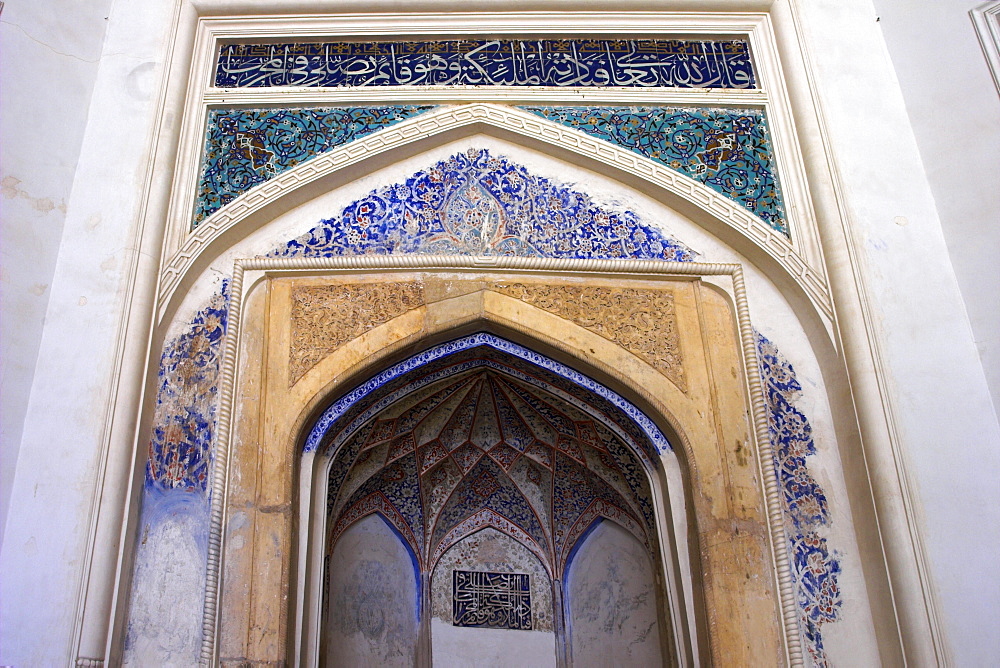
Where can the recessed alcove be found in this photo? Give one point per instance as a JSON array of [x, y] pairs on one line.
[[496, 472]]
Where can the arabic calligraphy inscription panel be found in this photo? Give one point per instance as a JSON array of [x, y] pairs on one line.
[[493, 600], [623, 63]]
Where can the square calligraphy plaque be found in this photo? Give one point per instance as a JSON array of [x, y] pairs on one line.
[[492, 600]]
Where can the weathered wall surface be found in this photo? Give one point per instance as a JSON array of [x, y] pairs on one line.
[[373, 599], [49, 66], [612, 601]]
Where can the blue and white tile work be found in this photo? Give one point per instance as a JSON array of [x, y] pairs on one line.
[[172, 547], [620, 63], [728, 150], [187, 388], [816, 568], [246, 147], [477, 203]]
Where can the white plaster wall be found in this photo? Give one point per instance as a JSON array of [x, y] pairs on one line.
[[943, 411], [372, 614], [48, 65], [45, 549], [954, 107]]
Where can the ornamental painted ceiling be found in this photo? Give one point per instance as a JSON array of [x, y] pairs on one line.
[[496, 443]]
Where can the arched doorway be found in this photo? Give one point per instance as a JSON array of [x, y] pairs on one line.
[[304, 390], [454, 511]]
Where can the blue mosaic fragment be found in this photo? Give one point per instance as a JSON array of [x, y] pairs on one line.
[[246, 147], [186, 402], [728, 150], [616, 63], [475, 203], [806, 510]]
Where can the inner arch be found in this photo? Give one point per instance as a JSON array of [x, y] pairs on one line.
[[480, 446]]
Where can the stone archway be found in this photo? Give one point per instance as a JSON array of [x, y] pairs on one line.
[[276, 515]]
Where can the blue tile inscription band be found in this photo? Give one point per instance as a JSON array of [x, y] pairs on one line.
[[622, 63]]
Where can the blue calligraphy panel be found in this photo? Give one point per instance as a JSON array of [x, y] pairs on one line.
[[492, 600], [629, 63]]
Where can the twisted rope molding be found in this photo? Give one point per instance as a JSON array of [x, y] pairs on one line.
[[220, 470], [812, 281]]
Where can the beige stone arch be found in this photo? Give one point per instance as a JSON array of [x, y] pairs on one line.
[[271, 495]]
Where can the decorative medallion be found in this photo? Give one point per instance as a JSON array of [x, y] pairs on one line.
[[476, 203]]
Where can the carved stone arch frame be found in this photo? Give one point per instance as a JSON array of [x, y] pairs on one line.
[[727, 638]]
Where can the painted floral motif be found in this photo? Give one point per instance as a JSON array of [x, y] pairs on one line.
[[729, 150], [806, 510], [475, 203], [185, 418], [246, 147]]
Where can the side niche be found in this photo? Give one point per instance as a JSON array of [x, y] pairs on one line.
[[371, 616]]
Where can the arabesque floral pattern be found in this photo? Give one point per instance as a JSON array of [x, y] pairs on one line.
[[729, 150], [186, 400], [246, 147], [815, 567]]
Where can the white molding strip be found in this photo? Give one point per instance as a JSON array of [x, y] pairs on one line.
[[986, 19]]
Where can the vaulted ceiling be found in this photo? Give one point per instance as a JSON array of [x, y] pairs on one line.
[[494, 444]]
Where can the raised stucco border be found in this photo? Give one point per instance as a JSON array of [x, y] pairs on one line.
[[986, 19], [248, 271]]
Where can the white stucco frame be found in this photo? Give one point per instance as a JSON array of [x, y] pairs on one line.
[[912, 632]]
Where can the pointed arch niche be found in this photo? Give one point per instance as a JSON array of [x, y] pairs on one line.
[[506, 428]]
